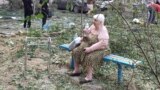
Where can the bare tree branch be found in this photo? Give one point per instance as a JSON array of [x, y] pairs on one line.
[[138, 43]]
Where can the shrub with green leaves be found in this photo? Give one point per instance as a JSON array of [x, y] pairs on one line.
[[34, 33], [20, 53]]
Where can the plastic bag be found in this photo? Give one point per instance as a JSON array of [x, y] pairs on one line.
[[76, 42]]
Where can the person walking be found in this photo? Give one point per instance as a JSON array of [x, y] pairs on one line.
[[28, 11], [44, 10]]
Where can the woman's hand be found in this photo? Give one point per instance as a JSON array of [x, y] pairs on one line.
[[87, 30], [87, 50]]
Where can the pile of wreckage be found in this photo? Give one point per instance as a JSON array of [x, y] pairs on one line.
[[78, 5]]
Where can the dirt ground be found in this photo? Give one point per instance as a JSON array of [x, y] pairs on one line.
[[13, 76], [12, 67], [37, 77]]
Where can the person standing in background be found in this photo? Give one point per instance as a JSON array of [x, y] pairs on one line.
[[90, 4], [153, 8], [44, 10], [28, 11]]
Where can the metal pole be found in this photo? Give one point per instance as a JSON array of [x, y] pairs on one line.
[[120, 73], [26, 58], [50, 51], [81, 16], [72, 63]]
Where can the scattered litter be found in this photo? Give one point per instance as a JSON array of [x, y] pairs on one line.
[[135, 20], [68, 23], [14, 18], [138, 21]]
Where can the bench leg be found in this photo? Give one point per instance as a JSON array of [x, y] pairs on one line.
[[72, 63], [120, 74]]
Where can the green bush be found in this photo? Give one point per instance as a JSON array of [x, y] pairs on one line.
[[34, 33], [20, 53]]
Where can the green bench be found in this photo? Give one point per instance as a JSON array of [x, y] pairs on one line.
[[119, 60]]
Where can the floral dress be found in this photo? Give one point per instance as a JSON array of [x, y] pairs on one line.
[[94, 58]]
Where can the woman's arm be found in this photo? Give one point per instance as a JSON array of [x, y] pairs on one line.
[[103, 41], [102, 44], [88, 30], [97, 46]]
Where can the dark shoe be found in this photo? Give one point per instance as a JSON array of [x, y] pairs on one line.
[[154, 22], [84, 81], [74, 74]]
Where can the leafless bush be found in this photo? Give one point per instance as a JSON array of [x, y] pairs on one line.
[[15, 4]]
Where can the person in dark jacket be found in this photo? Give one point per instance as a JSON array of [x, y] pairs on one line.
[[44, 10], [28, 11]]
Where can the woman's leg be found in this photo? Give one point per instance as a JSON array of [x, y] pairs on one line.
[[25, 19], [89, 75], [29, 22], [76, 57], [76, 67], [44, 19], [93, 61]]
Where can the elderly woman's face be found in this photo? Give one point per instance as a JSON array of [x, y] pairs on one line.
[[96, 22]]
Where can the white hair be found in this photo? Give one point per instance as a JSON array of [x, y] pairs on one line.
[[99, 17]]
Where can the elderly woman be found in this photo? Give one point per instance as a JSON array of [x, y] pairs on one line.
[[94, 46], [28, 11]]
